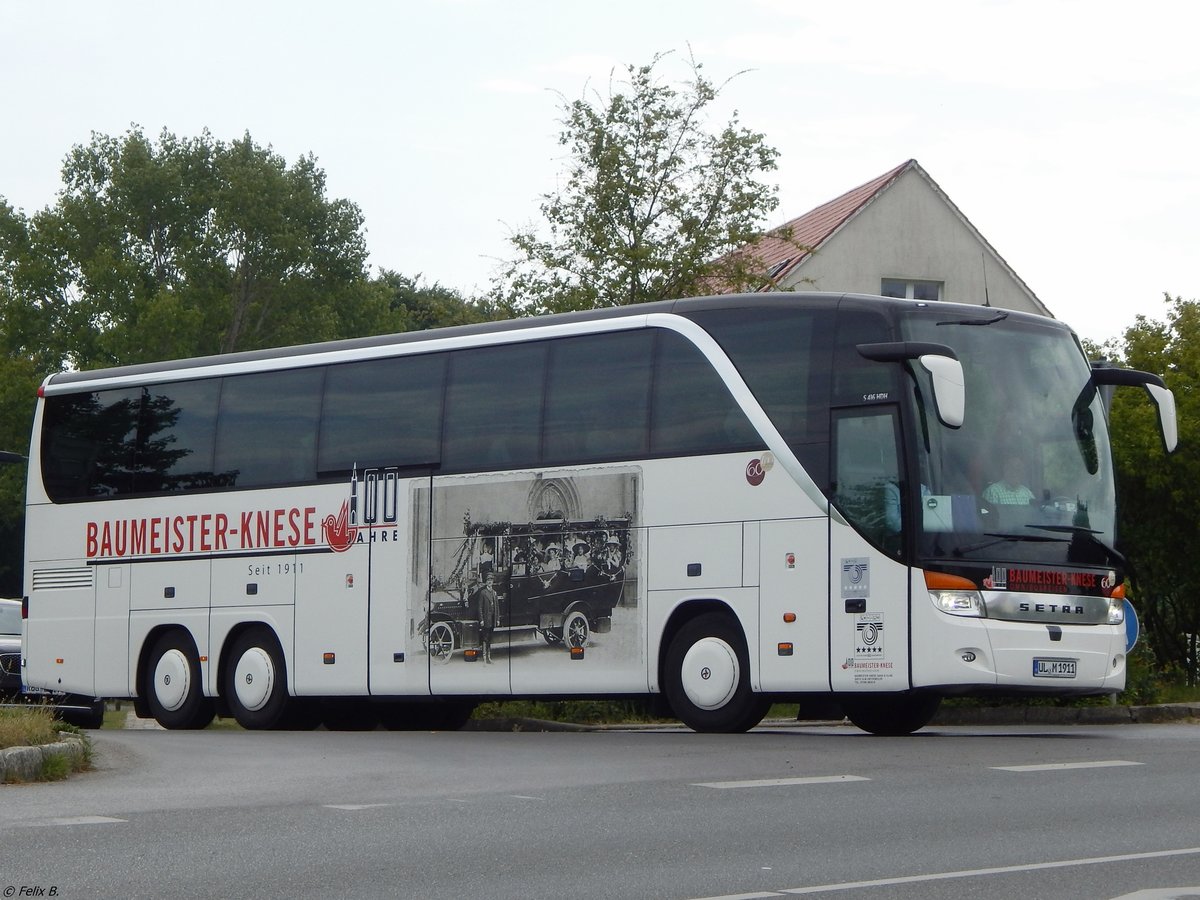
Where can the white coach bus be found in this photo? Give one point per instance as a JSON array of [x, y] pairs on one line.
[[723, 502]]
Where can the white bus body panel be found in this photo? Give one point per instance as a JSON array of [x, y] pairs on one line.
[[794, 578], [869, 615], [966, 651], [113, 592]]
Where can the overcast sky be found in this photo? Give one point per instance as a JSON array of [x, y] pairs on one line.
[[1067, 132]]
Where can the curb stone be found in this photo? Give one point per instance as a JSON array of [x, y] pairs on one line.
[[25, 763], [1066, 715]]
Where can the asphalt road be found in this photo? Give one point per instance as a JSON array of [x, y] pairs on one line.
[[1072, 812]]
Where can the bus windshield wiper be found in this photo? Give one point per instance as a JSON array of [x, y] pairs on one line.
[[1087, 535], [998, 317], [1001, 538]]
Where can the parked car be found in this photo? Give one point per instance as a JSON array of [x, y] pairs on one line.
[[86, 712]]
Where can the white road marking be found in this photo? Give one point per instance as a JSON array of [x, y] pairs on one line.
[[975, 873], [781, 782], [523, 797], [1053, 767], [74, 820], [354, 807]]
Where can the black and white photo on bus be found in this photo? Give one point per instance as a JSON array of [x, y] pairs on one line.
[[525, 564]]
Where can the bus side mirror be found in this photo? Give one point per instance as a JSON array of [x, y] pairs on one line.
[[949, 388], [1163, 399], [1168, 426], [941, 362]]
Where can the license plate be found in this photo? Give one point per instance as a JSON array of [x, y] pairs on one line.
[[1054, 668]]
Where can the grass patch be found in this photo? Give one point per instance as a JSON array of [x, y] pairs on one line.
[[55, 767], [580, 712], [33, 726], [28, 726]]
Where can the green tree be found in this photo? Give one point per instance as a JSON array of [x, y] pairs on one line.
[[1160, 494], [187, 246], [417, 306], [653, 205]]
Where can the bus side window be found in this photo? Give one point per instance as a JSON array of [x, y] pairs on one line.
[[867, 486], [263, 441], [176, 432], [382, 412], [693, 410], [598, 397], [88, 444], [494, 408]]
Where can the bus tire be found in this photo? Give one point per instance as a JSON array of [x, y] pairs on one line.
[[173, 685], [255, 683], [891, 714], [707, 677]]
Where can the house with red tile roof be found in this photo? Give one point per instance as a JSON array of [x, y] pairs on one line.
[[897, 235]]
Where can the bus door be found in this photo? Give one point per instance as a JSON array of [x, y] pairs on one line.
[[398, 542], [868, 620], [465, 624]]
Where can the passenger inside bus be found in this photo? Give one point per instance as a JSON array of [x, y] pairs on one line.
[[1010, 489]]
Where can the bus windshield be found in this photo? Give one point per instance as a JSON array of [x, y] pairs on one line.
[[1028, 476]]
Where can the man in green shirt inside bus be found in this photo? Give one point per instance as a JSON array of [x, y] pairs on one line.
[[1009, 491]]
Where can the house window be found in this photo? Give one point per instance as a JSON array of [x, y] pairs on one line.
[[911, 290]]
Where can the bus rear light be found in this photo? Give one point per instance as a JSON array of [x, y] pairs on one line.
[[1118, 593], [329, 659], [960, 603], [789, 618], [59, 661], [785, 649]]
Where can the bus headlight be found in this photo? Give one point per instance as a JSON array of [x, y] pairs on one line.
[[960, 603], [1116, 610]]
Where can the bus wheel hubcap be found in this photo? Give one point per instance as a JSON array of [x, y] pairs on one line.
[[710, 673], [171, 680], [254, 678]]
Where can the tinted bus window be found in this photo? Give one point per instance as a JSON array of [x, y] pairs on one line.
[[267, 427], [385, 412], [785, 358], [494, 408], [598, 397], [693, 410], [176, 433], [88, 443]]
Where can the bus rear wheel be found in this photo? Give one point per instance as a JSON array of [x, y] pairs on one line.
[[255, 684], [707, 677], [172, 684], [891, 714]]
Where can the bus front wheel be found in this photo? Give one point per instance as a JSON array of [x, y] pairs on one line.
[[172, 685], [707, 677], [256, 680]]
